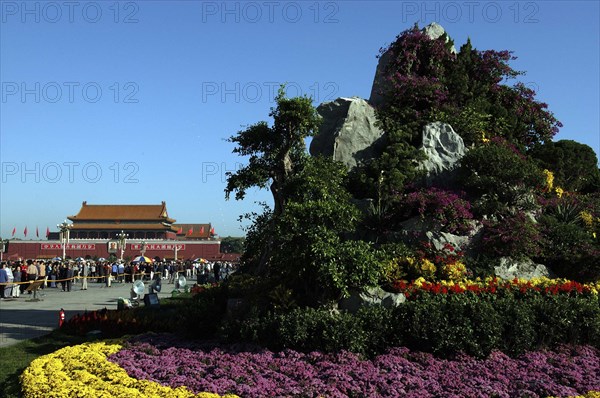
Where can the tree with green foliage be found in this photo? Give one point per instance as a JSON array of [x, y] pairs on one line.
[[274, 150], [500, 178], [302, 245], [317, 257], [574, 165], [230, 244]]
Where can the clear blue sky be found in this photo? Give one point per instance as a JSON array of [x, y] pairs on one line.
[[131, 102]]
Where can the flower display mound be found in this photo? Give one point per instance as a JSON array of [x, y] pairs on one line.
[[84, 371], [249, 371], [539, 285]]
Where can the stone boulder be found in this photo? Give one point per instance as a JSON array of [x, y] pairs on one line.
[[371, 297], [444, 148], [417, 229], [510, 268], [440, 239], [433, 30], [348, 133]]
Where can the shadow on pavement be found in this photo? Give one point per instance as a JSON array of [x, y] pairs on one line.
[[18, 325]]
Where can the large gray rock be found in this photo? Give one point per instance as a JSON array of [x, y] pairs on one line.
[[444, 148], [348, 133], [510, 268], [433, 30], [371, 297], [440, 239], [417, 229]]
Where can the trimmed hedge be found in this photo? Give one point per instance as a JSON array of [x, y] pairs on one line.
[[441, 324], [512, 321]]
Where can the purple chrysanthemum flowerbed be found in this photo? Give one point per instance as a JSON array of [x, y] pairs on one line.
[[250, 371]]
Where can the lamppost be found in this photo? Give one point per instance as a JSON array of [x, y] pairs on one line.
[[143, 248], [64, 236], [3, 245], [122, 241], [175, 249]]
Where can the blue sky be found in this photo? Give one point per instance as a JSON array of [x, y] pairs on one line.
[[131, 102]]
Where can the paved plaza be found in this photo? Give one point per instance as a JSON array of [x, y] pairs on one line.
[[22, 319]]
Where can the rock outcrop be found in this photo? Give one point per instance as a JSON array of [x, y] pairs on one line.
[[444, 148], [510, 268], [371, 297], [348, 133], [432, 30]]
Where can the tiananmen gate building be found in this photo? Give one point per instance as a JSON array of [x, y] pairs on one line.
[[95, 231]]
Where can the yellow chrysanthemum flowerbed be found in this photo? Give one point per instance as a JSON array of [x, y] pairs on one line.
[[84, 371]]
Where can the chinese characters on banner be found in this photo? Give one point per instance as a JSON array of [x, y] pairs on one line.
[[158, 246], [70, 246]]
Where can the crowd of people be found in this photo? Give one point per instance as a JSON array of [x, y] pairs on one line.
[[17, 276]]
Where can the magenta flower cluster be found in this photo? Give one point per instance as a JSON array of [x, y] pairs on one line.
[[449, 210], [250, 371]]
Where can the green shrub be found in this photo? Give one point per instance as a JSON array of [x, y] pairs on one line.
[[519, 329], [501, 176], [311, 329], [571, 319], [203, 314], [570, 250], [444, 324], [575, 165], [514, 235], [383, 329], [449, 324]]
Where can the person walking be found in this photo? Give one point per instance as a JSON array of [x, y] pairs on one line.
[[217, 271], [121, 272], [69, 278], [16, 288], [3, 280], [23, 277], [32, 272], [53, 275], [85, 272], [9, 287], [62, 276], [41, 267], [108, 279]]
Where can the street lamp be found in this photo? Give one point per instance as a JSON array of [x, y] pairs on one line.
[[175, 249], [64, 236], [143, 249], [122, 241], [3, 246]]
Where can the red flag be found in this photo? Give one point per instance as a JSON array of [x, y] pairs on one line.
[[212, 231], [180, 230], [25, 232], [47, 232], [14, 231], [201, 230], [191, 231], [37, 232]]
